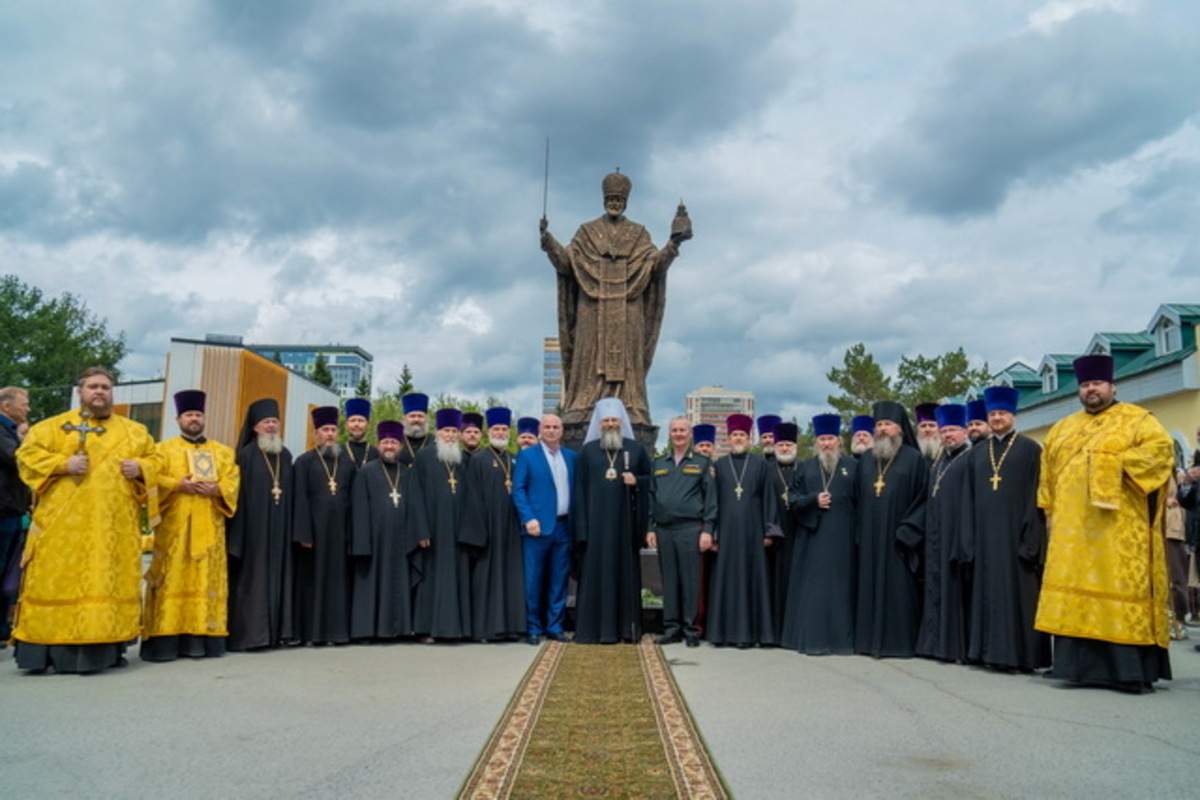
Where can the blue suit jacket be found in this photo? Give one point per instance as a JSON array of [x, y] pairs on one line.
[[533, 487]]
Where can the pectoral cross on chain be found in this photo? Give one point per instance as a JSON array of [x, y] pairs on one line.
[[995, 479], [738, 491], [453, 484], [879, 484], [333, 485], [83, 429], [277, 493], [395, 495]]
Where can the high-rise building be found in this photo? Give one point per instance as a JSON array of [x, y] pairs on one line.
[[712, 405], [552, 377]]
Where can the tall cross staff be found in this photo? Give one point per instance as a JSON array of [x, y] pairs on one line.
[[83, 428]]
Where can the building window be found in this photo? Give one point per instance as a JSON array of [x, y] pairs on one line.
[[1049, 379], [1167, 338]]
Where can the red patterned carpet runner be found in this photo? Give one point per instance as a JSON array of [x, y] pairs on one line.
[[596, 721]]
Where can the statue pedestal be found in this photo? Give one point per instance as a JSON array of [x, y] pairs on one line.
[[573, 433]]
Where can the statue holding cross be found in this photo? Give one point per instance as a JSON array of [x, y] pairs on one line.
[[611, 296]]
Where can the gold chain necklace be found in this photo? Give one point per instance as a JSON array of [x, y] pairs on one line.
[[782, 481], [825, 482], [995, 479], [394, 494], [350, 454], [332, 475], [506, 465], [450, 479], [276, 492], [939, 474], [880, 474], [737, 479], [611, 472]]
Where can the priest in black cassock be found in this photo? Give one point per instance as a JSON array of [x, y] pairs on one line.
[[358, 420], [747, 524], [382, 545], [416, 426], [1004, 539], [819, 616], [491, 536], [472, 433], [781, 470], [928, 440], [321, 526], [862, 435], [891, 490], [977, 422], [943, 633], [259, 536], [611, 493], [437, 495]]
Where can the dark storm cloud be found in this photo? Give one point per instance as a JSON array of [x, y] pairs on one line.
[[1037, 108]]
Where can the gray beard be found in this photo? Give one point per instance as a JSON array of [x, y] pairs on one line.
[[930, 448], [886, 447], [786, 460], [270, 443], [390, 458], [327, 450], [828, 461], [768, 449], [449, 454], [500, 442], [417, 431], [858, 448], [611, 440], [738, 449]]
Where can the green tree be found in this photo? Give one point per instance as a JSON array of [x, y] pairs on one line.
[[277, 357], [861, 380], [921, 379], [46, 342], [321, 373], [404, 384], [364, 388]]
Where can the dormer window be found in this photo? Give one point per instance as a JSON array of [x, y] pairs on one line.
[[1167, 337], [1049, 379]]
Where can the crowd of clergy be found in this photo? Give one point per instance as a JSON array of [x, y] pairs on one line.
[[946, 535]]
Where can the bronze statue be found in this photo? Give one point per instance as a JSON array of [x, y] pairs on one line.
[[612, 284]]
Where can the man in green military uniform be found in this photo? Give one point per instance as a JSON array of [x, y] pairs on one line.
[[683, 509]]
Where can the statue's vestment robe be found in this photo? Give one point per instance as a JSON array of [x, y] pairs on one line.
[[83, 555], [1106, 573], [187, 586], [611, 295]]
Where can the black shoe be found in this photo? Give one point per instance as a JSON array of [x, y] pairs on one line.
[[557, 637], [533, 639], [692, 641], [669, 638]]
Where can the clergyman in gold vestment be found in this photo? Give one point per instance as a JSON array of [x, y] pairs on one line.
[[91, 472], [187, 587], [1104, 591]]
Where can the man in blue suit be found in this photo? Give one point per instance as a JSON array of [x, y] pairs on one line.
[[542, 479]]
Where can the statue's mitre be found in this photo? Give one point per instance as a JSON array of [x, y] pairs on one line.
[[618, 184]]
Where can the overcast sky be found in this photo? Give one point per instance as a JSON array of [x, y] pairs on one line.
[[1007, 176]]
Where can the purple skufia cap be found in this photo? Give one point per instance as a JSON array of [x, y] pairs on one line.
[[925, 412], [390, 429], [498, 416], [471, 419], [704, 433], [189, 400], [863, 422], [827, 424], [358, 407], [415, 401], [951, 414], [1001, 398], [786, 432], [1094, 368], [528, 425], [767, 423], [739, 422], [449, 418], [324, 415], [976, 409]]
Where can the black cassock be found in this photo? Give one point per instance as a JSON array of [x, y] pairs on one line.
[[359, 452], [889, 531], [779, 555], [747, 513], [1004, 536], [382, 548], [442, 604], [322, 519], [943, 632], [491, 535], [819, 617], [609, 521], [259, 544]]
